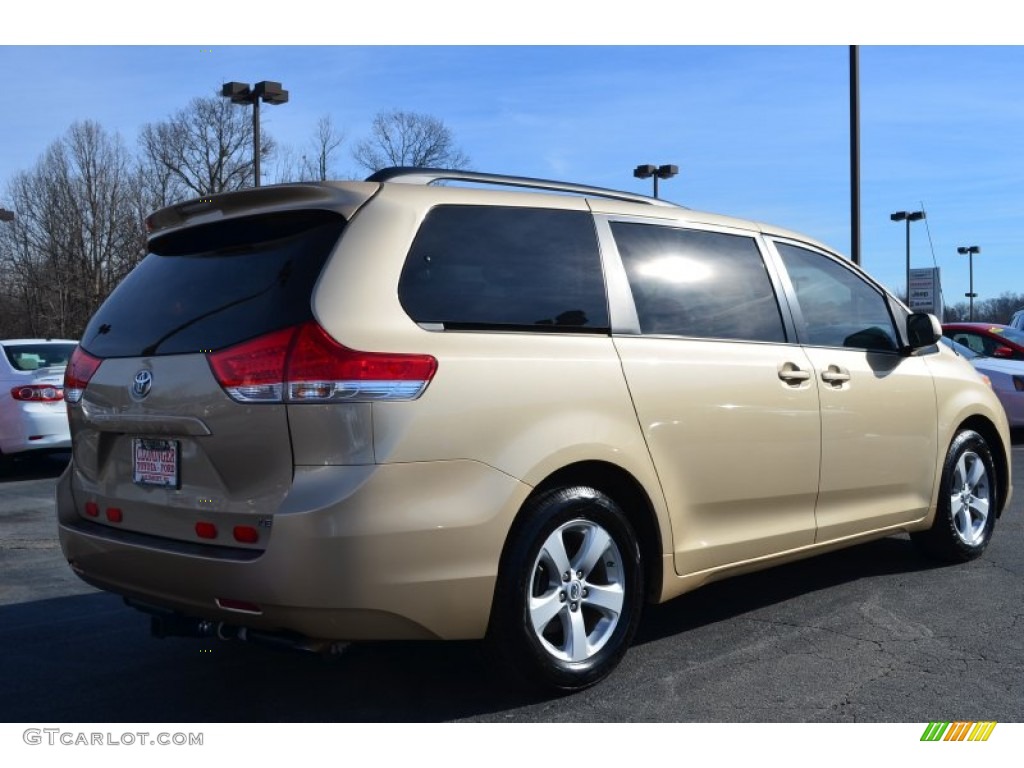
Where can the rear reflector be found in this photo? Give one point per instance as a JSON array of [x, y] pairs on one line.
[[303, 364], [246, 534], [206, 530], [114, 515], [81, 368], [92, 509]]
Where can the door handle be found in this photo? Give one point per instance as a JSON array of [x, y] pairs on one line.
[[835, 375], [791, 374]]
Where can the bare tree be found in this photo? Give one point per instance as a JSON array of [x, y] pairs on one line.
[[997, 310], [954, 313], [201, 150], [408, 138], [13, 322], [317, 163], [77, 232], [325, 144], [287, 165]]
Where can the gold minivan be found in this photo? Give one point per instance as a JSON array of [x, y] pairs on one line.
[[502, 408]]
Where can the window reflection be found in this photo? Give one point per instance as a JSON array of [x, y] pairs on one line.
[[698, 284], [675, 269]]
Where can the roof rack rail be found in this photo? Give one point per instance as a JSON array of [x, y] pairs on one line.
[[413, 175]]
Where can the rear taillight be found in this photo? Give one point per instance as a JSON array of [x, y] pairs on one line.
[[322, 370], [253, 372], [38, 393], [81, 368], [304, 365]]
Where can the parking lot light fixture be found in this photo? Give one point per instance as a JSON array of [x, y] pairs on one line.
[[656, 172], [907, 216], [969, 251], [242, 93]]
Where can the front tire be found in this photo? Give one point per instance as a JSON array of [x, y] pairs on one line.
[[569, 590], [966, 513]]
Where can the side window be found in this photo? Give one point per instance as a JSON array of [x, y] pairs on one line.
[[970, 340], [477, 267], [700, 284], [983, 345], [840, 309]]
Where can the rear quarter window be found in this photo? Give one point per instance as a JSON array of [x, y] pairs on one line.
[[491, 267]]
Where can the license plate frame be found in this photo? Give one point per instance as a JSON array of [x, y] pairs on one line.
[[156, 462]]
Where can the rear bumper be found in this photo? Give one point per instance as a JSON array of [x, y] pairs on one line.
[[37, 426], [395, 551]]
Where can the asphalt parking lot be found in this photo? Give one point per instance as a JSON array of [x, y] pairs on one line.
[[870, 634]]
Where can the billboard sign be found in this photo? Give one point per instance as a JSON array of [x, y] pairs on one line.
[[925, 293]]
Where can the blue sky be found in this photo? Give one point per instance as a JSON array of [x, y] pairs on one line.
[[758, 130]]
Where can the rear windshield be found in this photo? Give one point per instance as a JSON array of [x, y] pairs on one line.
[[215, 285], [31, 357]]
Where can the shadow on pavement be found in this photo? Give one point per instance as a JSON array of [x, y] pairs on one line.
[[90, 658], [33, 466], [738, 595]]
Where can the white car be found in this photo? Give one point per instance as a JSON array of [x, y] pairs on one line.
[[33, 416]]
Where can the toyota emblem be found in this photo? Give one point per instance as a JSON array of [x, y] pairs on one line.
[[141, 384]]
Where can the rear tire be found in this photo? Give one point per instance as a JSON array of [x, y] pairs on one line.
[[966, 513], [569, 591]]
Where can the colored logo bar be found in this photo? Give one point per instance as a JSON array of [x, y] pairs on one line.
[[958, 731]]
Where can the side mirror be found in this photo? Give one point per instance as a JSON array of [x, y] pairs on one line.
[[923, 330]]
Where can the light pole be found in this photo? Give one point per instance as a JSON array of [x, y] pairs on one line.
[[907, 216], [657, 172], [242, 93], [855, 153], [970, 250]]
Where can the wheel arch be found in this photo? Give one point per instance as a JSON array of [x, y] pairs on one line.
[[623, 488], [988, 430]]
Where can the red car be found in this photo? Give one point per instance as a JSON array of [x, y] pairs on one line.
[[988, 339]]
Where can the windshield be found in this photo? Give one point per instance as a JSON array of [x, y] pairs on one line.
[[1005, 332], [1010, 334]]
